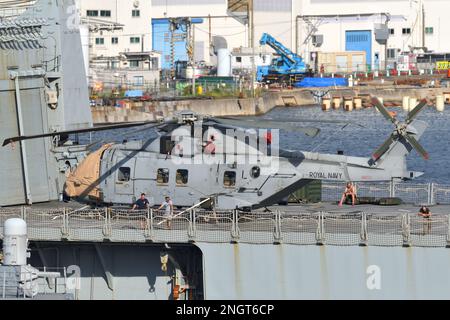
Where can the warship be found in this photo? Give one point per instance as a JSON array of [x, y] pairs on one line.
[[58, 250]]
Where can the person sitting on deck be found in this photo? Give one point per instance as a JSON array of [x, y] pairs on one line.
[[349, 191], [425, 213]]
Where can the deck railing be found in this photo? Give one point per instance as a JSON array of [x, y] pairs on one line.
[[297, 228]]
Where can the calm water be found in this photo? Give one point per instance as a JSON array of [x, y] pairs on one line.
[[353, 140]]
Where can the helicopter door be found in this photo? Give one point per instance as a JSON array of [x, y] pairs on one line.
[[124, 182]]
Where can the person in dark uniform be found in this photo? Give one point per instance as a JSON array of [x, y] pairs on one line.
[[425, 213], [141, 203]]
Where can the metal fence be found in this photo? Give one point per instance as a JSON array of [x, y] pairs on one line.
[[410, 193], [300, 228], [28, 283]]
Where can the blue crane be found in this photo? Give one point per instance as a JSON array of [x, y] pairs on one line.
[[287, 67]]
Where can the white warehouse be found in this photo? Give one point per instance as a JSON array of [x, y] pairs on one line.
[[304, 26]]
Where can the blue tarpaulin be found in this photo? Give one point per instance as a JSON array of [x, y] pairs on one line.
[[134, 93], [322, 82]]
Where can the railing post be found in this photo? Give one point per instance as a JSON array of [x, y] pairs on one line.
[[406, 230], [149, 225], [277, 230], [431, 193], [107, 226], [23, 213], [363, 235], [65, 225], [320, 232], [392, 189], [4, 284], [448, 231], [235, 227], [191, 227]]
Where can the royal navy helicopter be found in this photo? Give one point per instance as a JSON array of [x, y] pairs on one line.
[[198, 158]]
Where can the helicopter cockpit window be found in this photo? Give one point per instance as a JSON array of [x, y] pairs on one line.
[[182, 176], [163, 176], [123, 174], [255, 172], [229, 178]]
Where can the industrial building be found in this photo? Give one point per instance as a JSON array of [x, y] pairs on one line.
[[383, 29]]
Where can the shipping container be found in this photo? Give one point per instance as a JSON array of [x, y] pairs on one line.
[[341, 62]]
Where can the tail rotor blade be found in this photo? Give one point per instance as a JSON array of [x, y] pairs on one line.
[[414, 112], [382, 109], [416, 145], [383, 148]]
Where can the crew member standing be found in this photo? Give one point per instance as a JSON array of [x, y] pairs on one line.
[[167, 205], [141, 203]]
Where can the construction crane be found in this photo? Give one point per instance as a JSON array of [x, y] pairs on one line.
[[288, 68]]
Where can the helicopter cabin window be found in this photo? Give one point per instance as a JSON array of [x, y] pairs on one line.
[[255, 172], [229, 178], [163, 176], [166, 145], [182, 177], [123, 174]]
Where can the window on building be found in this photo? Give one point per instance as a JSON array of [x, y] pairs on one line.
[[135, 40], [429, 30], [406, 31], [114, 64], [105, 13], [391, 53], [162, 176], [182, 177], [229, 178], [391, 31], [114, 40], [136, 13], [123, 174], [138, 80], [239, 59], [92, 13], [134, 63], [100, 41], [154, 62]]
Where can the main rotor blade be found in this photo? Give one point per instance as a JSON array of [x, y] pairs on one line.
[[382, 109], [265, 124], [284, 120], [383, 148], [67, 132], [416, 145], [315, 121], [414, 112]]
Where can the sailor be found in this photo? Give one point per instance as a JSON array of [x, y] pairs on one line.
[[167, 205], [425, 213], [349, 191], [141, 203], [210, 147]]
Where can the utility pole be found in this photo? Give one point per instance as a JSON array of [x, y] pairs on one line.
[[193, 56], [209, 34], [252, 42], [172, 49], [423, 26]]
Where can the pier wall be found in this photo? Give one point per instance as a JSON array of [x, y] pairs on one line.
[[142, 111]]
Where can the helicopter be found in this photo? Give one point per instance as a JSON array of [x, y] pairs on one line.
[[231, 163]]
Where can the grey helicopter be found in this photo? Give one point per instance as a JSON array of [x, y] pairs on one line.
[[230, 163]]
